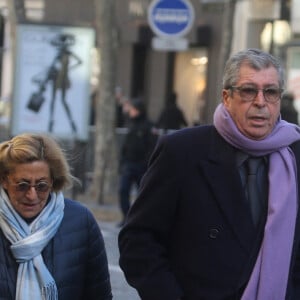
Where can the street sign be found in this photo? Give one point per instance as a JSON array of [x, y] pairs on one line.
[[178, 44], [170, 18]]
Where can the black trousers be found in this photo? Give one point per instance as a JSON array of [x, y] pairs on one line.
[[131, 174]]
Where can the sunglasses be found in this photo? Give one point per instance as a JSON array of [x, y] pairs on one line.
[[40, 187], [248, 94]]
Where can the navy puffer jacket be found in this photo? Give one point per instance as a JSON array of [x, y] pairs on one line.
[[75, 257]]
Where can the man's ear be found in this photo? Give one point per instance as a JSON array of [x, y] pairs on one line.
[[226, 95]]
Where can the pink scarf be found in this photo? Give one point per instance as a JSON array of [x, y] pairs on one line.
[[270, 274]]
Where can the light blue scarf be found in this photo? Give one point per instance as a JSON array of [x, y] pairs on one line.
[[270, 274], [28, 241]]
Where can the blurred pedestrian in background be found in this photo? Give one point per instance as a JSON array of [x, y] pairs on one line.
[[121, 115], [206, 224], [135, 151], [172, 117], [50, 247], [288, 111]]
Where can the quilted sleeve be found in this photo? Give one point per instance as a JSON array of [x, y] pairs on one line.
[[98, 280]]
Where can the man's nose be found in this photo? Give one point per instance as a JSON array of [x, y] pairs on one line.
[[260, 98]]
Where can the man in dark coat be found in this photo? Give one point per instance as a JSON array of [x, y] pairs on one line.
[[172, 117], [193, 231], [288, 111], [135, 151]]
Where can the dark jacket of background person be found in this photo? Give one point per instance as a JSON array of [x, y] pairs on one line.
[[138, 144], [80, 252], [171, 117], [139, 141], [288, 111], [209, 180]]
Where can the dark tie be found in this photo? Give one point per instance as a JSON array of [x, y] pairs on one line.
[[254, 196]]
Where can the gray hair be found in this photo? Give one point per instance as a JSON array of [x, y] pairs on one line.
[[254, 58]]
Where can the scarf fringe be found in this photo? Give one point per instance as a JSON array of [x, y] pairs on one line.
[[49, 291]]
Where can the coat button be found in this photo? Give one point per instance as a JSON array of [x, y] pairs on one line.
[[213, 233]]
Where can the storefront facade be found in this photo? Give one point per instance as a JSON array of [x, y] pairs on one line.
[[193, 73]]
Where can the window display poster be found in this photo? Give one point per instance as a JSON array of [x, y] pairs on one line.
[[52, 80], [293, 74]]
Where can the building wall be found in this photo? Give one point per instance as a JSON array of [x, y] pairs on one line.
[[249, 20], [157, 79], [69, 12], [156, 83]]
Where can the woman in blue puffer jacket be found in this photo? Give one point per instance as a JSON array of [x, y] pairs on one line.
[[50, 247]]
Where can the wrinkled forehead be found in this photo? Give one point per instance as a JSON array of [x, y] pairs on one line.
[[262, 76]]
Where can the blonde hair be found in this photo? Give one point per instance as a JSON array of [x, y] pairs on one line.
[[27, 148]]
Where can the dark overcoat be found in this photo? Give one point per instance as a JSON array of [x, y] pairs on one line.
[[189, 233]]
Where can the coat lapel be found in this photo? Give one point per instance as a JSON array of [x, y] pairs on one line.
[[223, 176]]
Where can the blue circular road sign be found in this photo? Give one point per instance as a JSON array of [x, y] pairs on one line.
[[170, 18]]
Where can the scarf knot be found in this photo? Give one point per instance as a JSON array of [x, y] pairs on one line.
[[34, 280]]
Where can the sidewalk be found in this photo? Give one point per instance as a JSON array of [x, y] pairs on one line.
[[108, 216], [120, 288], [108, 212], [104, 212]]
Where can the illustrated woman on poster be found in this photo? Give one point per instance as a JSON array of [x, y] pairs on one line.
[[58, 77]]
